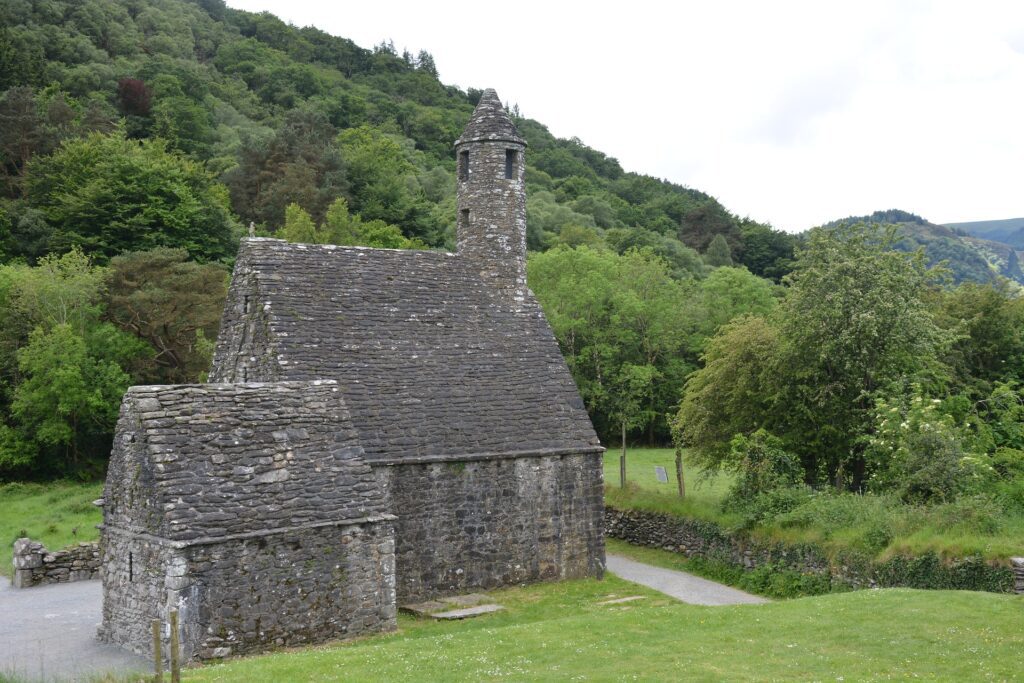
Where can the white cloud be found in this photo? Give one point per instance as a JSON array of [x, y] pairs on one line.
[[789, 112]]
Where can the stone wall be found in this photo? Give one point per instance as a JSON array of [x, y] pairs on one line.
[[697, 538], [34, 565], [134, 592], [467, 525], [491, 227], [1018, 574], [249, 510], [286, 590], [250, 594]]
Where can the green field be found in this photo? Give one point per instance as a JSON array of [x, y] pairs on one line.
[[58, 514], [643, 490], [560, 632], [836, 523]]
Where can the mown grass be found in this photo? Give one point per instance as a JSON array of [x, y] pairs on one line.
[[557, 632], [643, 491], [877, 526], [57, 514]]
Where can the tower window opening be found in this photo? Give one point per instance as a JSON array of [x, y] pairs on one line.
[[464, 165], [131, 567], [510, 164], [464, 218]]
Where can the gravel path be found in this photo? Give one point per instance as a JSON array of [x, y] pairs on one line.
[[48, 633], [679, 585]]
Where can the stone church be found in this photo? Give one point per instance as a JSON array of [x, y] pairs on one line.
[[380, 427]]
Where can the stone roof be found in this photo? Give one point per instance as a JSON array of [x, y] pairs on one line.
[[432, 362], [490, 122], [214, 460]]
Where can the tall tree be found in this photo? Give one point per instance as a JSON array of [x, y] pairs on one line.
[[718, 252], [171, 303], [855, 319], [108, 194]]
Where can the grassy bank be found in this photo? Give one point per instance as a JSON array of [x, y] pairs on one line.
[[877, 526], [562, 632], [57, 514]]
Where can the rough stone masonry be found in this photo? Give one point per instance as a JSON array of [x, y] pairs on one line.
[[34, 565], [250, 510], [383, 425]]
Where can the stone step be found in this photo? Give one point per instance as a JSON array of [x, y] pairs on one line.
[[465, 606], [467, 612], [617, 601]]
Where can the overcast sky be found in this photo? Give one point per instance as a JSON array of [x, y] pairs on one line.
[[790, 113]]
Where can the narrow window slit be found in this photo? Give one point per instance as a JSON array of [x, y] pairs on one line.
[[131, 567], [464, 218], [510, 164], [464, 165]]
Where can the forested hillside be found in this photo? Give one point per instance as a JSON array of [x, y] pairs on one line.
[[279, 115], [969, 256]]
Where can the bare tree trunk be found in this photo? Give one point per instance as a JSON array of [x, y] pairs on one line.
[[679, 473], [622, 458]]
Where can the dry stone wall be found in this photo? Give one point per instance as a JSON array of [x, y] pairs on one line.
[[34, 565], [697, 538]]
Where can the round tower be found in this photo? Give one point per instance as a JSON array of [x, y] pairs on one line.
[[492, 196]]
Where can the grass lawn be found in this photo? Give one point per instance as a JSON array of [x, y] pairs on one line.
[[560, 632], [950, 531], [643, 490], [57, 514]]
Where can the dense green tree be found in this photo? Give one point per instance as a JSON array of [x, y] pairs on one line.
[[855, 320], [171, 303], [65, 407], [700, 224], [620, 327], [299, 164], [733, 393], [298, 226], [718, 252], [64, 368], [107, 195], [383, 183], [991, 320], [766, 252], [724, 295]]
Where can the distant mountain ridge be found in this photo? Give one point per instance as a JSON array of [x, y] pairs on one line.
[[1008, 230], [970, 256]]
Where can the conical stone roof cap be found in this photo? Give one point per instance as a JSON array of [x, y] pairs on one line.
[[490, 122]]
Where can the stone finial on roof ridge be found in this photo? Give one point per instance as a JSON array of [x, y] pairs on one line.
[[490, 121]]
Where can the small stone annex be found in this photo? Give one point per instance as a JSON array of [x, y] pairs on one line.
[[381, 427]]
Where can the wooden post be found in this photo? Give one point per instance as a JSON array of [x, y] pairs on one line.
[[175, 649], [679, 473], [158, 655], [622, 458]]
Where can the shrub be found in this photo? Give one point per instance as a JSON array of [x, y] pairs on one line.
[[917, 451], [763, 465], [979, 514], [765, 508], [872, 518]]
